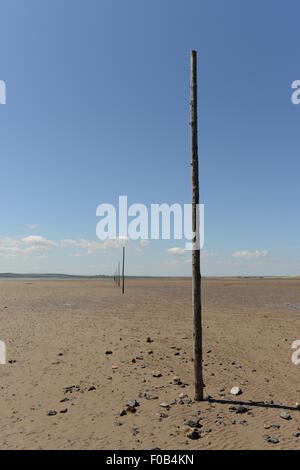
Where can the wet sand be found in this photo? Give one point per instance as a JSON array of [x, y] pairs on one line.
[[58, 333]]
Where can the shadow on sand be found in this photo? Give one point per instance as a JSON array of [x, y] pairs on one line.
[[251, 403]]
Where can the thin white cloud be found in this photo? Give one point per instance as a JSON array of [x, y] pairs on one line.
[[37, 240], [93, 246], [176, 251], [11, 248], [251, 254]]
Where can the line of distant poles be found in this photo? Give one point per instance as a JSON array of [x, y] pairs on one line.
[[117, 275]]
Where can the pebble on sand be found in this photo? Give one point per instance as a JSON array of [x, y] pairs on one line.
[[164, 404], [177, 380], [156, 373], [236, 391], [285, 415], [193, 434]]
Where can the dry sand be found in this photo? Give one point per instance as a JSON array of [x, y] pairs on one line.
[[58, 333]]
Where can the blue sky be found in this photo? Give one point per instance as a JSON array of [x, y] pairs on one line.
[[98, 106]]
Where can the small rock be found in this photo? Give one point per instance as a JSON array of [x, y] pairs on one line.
[[156, 373], [51, 413], [149, 340], [162, 415], [132, 403], [275, 426], [123, 413], [64, 400], [193, 434], [165, 405], [285, 415], [193, 423], [296, 434], [177, 380], [64, 410], [91, 388], [272, 440], [236, 391], [239, 408], [72, 388], [108, 352]]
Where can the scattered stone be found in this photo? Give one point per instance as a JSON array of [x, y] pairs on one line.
[[194, 423], [164, 404], [156, 373], [275, 426], [64, 410], [123, 413], [12, 361], [139, 358], [162, 415], [114, 367], [236, 391], [296, 434], [150, 397], [183, 395], [64, 400], [149, 340], [51, 413], [185, 401], [239, 408], [177, 380], [285, 415], [132, 403], [60, 354], [72, 389], [272, 440], [91, 388], [108, 352], [150, 351], [193, 434], [298, 406]]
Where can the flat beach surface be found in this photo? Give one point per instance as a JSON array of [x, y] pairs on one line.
[[58, 333]]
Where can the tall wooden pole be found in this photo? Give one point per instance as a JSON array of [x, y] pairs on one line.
[[123, 271], [196, 282]]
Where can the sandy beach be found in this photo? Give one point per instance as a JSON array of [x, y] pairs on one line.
[[77, 351]]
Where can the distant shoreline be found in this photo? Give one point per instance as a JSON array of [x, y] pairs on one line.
[[6, 276]]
